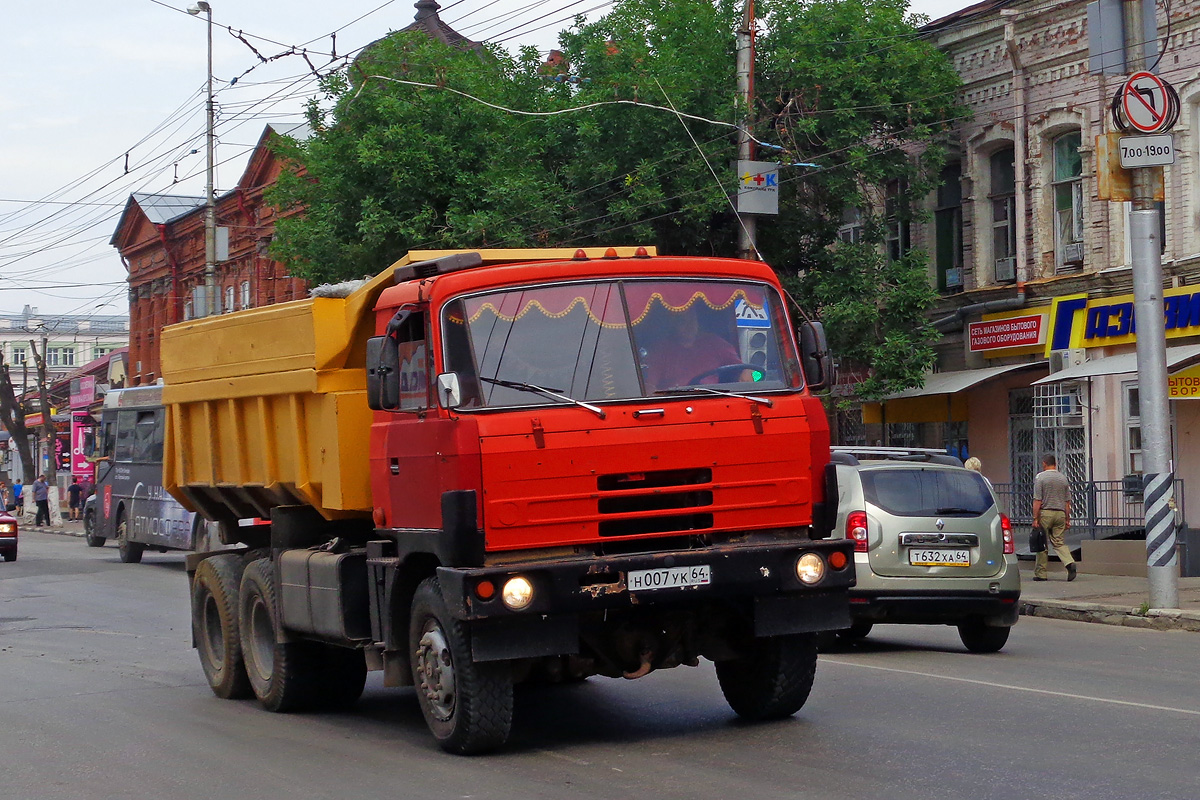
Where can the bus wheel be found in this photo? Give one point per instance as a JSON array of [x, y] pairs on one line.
[[131, 552], [215, 625], [468, 705], [284, 676], [89, 530]]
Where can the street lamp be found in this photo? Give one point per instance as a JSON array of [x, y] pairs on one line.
[[210, 200]]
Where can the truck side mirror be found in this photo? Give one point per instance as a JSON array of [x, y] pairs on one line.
[[383, 373], [449, 390], [815, 357]]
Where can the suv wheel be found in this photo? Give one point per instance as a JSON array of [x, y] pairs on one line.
[[980, 638]]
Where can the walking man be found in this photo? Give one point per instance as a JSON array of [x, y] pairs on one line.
[[75, 498], [19, 496], [1052, 511], [41, 498]]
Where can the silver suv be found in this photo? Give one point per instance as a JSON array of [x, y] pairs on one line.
[[931, 547]]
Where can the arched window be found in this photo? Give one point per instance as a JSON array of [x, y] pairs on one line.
[[1003, 197], [1068, 201]]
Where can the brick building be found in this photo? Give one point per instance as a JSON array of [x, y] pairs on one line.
[[1034, 269], [161, 241]]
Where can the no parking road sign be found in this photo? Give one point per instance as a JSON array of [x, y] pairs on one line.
[[1148, 104]]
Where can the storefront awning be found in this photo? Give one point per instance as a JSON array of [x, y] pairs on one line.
[[1177, 358], [954, 382]]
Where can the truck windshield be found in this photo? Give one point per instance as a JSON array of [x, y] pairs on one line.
[[617, 340]]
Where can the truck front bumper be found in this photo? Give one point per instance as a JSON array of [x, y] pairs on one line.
[[761, 579]]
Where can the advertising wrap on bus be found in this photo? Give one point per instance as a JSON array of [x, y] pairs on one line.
[[130, 504]]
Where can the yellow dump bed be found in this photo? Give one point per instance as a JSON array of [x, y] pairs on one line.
[[267, 407]]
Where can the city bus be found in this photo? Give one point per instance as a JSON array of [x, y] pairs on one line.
[[130, 504]]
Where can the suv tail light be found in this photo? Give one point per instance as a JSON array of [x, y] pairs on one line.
[[1010, 546], [856, 530]]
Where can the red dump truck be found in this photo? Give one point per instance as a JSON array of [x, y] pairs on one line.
[[483, 468]]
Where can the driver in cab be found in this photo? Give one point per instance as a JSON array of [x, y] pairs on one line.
[[688, 355]]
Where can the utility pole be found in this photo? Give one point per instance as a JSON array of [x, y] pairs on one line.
[[1146, 252], [210, 200], [747, 247]]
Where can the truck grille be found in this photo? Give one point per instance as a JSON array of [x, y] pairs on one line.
[[631, 499]]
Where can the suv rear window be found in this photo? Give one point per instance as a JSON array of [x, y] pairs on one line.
[[918, 492]]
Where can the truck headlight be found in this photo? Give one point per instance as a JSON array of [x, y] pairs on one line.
[[517, 593], [810, 568]]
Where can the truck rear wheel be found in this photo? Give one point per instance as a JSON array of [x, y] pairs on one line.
[[131, 552], [215, 625], [284, 677], [773, 680], [467, 705]]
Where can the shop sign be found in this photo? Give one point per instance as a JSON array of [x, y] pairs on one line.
[[1076, 321], [1184, 385], [996, 334]]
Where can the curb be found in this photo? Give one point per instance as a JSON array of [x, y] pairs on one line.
[[1159, 619], [63, 531]]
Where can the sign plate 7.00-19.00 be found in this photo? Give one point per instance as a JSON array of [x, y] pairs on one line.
[[1147, 151]]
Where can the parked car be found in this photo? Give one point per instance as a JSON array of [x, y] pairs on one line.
[[8, 535], [931, 546]]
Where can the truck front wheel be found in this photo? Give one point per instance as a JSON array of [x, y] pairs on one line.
[[284, 676], [215, 625], [773, 679], [467, 705]]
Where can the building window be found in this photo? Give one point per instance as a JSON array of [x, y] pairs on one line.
[[1003, 197], [1068, 200], [948, 224], [245, 294], [897, 236], [189, 310], [1133, 428], [228, 300], [60, 357], [18, 356], [851, 229]]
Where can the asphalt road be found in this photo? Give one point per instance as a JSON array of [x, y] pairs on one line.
[[102, 697]]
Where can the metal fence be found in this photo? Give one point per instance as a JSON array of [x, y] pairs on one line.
[[1099, 509]]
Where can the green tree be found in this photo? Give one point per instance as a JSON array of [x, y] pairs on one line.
[[395, 166], [848, 85]]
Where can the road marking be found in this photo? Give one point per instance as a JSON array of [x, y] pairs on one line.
[[993, 684]]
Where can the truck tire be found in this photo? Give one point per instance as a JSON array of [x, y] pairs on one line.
[[467, 705], [284, 677], [215, 625], [89, 530], [980, 638], [773, 680], [131, 552], [343, 677]]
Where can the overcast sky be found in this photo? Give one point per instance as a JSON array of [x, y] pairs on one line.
[[89, 90]]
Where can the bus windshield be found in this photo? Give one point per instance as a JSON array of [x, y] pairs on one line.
[[618, 340]]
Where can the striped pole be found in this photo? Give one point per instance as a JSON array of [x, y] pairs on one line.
[[1160, 519]]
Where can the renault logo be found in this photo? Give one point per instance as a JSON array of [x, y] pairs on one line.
[[941, 523]]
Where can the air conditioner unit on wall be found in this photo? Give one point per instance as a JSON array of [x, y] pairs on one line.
[[1073, 253], [1071, 357], [1006, 269]]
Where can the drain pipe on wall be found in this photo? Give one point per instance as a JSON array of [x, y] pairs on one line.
[[1019, 133], [955, 321]]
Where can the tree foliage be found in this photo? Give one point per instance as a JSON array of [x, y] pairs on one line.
[[847, 85]]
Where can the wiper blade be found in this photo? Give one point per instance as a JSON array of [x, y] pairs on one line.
[[766, 401], [555, 393]]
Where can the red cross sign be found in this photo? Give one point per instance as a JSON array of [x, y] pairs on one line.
[[1144, 100]]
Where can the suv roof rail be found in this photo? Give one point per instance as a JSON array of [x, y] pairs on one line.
[[850, 455]]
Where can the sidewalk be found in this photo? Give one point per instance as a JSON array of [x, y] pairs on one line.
[[1110, 599]]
